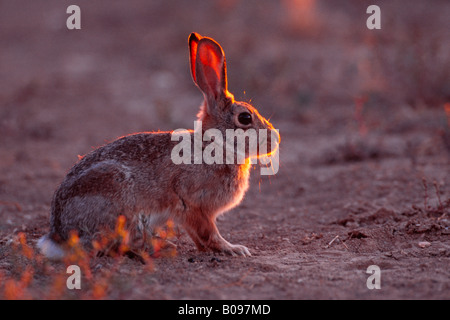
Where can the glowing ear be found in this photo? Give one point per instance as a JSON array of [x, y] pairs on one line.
[[210, 69], [194, 38]]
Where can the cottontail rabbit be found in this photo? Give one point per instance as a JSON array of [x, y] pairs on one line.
[[134, 176]]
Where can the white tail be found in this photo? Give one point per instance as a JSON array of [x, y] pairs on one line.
[[50, 249]]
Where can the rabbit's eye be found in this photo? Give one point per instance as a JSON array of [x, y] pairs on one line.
[[245, 118]]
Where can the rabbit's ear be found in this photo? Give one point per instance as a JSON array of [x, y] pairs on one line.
[[210, 70], [194, 38]]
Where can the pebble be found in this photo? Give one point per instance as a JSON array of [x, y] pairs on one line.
[[424, 244]]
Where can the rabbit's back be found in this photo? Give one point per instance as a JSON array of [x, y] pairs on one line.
[[137, 149]]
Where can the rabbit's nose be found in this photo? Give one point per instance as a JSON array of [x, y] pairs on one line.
[[274, 137], [272, 140], [277, 135]]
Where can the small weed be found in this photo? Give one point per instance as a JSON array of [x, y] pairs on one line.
[[29, 275]]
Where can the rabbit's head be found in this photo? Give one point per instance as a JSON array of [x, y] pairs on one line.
[[220, 110]]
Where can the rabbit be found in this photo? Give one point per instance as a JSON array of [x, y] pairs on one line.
[[134, 176]]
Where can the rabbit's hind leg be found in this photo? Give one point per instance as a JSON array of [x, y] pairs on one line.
[[92, 201]]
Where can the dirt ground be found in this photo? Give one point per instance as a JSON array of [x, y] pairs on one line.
[[364, 174]]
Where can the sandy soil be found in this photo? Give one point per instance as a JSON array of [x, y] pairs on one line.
[[364, 161]]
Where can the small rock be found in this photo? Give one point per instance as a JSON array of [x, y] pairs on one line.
[[424, 244]]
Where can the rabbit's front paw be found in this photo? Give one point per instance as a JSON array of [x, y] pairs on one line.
[[236, 250]]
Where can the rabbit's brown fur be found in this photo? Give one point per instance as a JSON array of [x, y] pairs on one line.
[[134, 176]]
